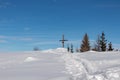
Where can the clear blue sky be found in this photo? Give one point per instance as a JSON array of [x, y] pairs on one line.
[[25, 24]]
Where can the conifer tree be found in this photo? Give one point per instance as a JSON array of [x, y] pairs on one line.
[[71, 48], [110, 47], [85, 46], [68, 48], [97, 44], [103, 42]]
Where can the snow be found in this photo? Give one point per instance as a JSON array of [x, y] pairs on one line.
[[58, 50], [30, 59], [93, 66], [58, 64]]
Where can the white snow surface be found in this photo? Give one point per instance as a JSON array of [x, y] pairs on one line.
[[58, 64], [30, 59], [93, 65]]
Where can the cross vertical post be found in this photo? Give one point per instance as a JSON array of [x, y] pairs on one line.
[[63, 41]]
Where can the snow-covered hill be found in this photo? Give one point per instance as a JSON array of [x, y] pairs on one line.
[[57, 64]]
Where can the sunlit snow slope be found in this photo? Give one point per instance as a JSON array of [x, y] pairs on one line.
[[32, 66], [93, 65], [58, 64]]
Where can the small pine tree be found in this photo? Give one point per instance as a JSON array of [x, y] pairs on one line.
[[103, 42], [110, 47], [85, 46], [97, 44], [71, 48], [68, 48]]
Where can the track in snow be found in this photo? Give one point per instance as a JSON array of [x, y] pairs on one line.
[[82, 69]]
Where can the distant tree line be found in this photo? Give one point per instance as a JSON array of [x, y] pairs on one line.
[[100, 44]]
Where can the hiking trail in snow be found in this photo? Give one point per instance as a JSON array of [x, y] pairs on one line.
[[82, 69]]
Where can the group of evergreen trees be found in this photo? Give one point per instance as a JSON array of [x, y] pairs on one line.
[[70, 49], [100, 45]]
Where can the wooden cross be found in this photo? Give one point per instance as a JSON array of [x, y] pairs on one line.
[[63, 40]]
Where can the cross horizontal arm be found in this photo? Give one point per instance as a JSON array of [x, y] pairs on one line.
[[63, 40]]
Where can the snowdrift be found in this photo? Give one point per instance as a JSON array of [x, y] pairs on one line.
[[56, 51]]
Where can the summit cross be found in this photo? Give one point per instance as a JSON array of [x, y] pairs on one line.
[[63, 41]]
